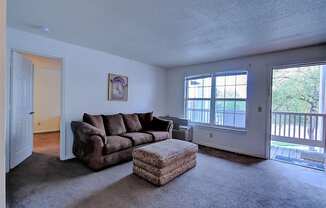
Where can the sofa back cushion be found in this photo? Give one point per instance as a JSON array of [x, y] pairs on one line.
[[114, 124], [132, 122], [94, 120], [146, 120]]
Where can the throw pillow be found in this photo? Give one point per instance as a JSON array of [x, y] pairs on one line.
[[146, 120], [94, 120], [114, 124], [132, 122]]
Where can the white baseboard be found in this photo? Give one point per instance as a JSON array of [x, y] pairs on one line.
[[229, 149], [69, 156]]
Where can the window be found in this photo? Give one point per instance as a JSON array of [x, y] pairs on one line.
[[230, 100], [219, 99], [199, 99]]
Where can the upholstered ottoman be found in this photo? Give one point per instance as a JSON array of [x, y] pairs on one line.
[[161, 162]]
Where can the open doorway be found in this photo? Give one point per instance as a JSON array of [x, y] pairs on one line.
[[46, 104], [35, 106], [298, 121]]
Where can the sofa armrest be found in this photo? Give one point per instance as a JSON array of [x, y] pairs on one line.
[[94, 153], [185, 127], [183, 133], [88, 144], [83, 131], [159, 124]]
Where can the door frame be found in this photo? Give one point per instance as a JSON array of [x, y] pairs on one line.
[[270, 68], [62, 154]]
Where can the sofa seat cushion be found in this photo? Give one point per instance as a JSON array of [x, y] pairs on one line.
[[114, 124], [159, 135], [139, 137], [116, 143]]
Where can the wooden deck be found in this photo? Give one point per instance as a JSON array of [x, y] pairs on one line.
[[286, 152]]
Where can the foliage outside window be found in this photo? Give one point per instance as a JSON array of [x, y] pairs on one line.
[[217, 99], [296, 89]]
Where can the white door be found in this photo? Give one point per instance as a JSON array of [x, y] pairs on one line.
[[21, 125]]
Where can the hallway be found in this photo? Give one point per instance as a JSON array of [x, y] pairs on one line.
[[47, 143]]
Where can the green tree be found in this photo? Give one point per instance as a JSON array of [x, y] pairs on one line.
[[296, 89]]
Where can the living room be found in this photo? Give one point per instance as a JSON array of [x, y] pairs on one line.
[[131, 71]]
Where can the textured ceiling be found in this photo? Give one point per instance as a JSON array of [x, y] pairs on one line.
[[170, 33]]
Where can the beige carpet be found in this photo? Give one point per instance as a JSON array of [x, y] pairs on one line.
[[218, 180]]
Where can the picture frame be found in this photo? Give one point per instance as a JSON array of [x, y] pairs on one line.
[[117, 87]]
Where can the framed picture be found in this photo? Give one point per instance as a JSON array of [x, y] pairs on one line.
[[118, 87]]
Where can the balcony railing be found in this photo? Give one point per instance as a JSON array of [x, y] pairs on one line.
[[299, 128]]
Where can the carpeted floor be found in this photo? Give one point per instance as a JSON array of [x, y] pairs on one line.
[[219, 180]]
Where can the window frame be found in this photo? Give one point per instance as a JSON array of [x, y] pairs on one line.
[[203, 76], [213, 99]]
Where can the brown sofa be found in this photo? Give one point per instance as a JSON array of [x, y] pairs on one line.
[[104, 140], [181, 129]]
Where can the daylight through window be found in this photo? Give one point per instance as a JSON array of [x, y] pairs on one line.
[[217, 99]]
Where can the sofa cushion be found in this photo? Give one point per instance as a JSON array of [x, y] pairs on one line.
[[116, 143], [146, 120], [139, 137], [159, 135], [94, 120], [132, 122], [114, 124]]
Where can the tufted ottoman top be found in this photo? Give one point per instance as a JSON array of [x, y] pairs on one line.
[[164, 153]]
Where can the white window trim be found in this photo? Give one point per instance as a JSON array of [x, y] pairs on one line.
[[218, 127], [186, 93], [212, 124]]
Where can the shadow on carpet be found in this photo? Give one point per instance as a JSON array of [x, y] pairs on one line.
[[217, 181]]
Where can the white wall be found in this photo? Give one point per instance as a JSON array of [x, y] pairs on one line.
[[2, 100], [46, 102], [253, 141], [86, 76]]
